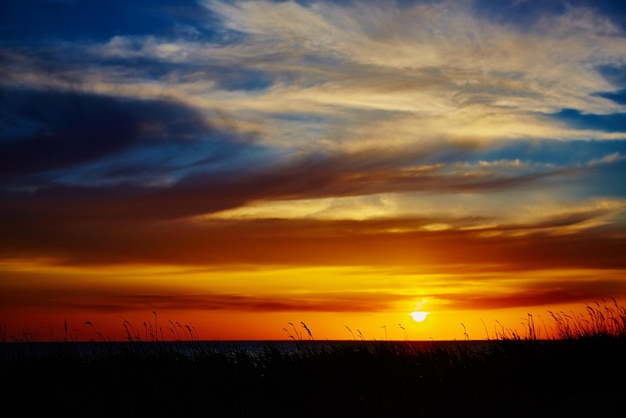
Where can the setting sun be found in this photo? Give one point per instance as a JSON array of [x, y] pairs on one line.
[[418, 316]]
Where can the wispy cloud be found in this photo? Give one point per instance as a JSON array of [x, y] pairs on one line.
[[440, 68]]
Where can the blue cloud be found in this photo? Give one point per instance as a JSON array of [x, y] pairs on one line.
[[84, 137]]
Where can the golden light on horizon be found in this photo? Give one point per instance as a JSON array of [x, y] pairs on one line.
[[241, 302]]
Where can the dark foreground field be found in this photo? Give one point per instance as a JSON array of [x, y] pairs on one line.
[[575, 377]]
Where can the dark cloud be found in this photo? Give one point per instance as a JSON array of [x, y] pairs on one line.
[[18, 292], [546, 293], [257, 304], [44, 130], [55, 133], [313, 242], [206, 191]]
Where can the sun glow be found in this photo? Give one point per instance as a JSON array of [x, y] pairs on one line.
[[418, 316]]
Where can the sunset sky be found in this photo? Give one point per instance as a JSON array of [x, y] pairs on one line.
[[229, 167]]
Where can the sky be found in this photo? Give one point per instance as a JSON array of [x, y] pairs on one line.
[[309, 169]]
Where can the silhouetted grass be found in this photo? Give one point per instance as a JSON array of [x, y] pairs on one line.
[[578, 374]]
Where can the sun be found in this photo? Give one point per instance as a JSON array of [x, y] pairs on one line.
[[418, 316]]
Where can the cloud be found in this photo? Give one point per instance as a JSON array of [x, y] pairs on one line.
[[438, 47], [107, 300], [550, 292], [501, 163], [62, 130], [225, 187], [84, 138], [420, 73], [316, 290], [592, 241], [608, 159]]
